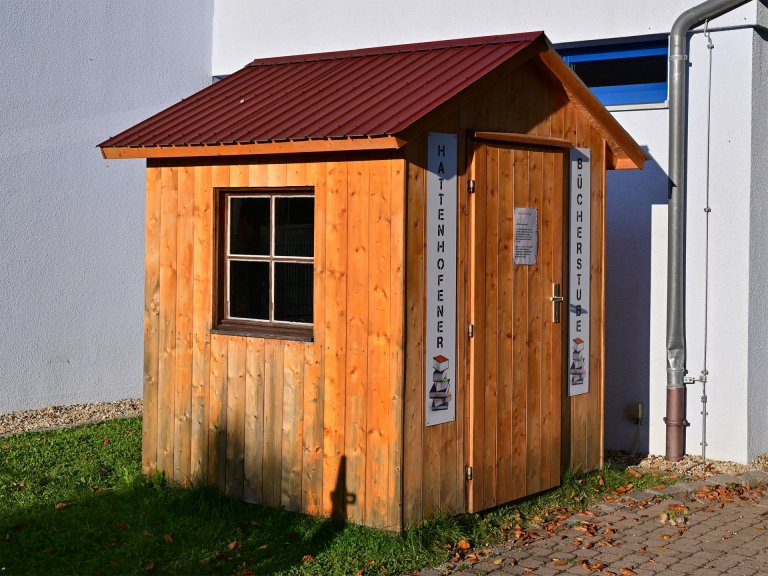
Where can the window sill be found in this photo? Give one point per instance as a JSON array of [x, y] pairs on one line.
[[270, 331]]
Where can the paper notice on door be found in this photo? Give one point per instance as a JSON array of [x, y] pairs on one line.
[[526, 236]]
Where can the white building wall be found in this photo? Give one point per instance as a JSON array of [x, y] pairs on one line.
[[730, 181], [637, 214], [72, 233], [758, 284]]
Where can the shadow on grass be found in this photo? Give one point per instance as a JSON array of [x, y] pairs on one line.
[[150, 527]]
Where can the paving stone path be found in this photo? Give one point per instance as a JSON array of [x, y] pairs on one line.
[[710, 528]]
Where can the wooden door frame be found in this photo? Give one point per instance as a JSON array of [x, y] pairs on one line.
[[473, 140]]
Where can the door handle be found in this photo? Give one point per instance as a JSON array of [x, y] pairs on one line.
[[556, 299]]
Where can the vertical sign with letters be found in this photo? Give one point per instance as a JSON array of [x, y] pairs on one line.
[[440, 349], [579, 273]]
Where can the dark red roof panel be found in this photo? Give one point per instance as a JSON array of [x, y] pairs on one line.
[[369, 92]]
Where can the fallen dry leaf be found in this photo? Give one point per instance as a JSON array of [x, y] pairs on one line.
[[149, 566], [234, 545], [462, 545], [627, 572], [665, 536], [263, 546], [559, 562], [61, 505], [307, 558], [106, 442], [168, 538], [498, 561]]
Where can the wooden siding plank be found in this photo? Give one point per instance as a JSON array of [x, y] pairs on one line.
[[253, 471], [277, 174], [491, 311], [549, 275], [296, 174], [312, 465], [273, 421], [520, 344], [415, 286], [235, 419], [507, 286], [292, 418], [479, 342], [168, 279], [202, 284], [559, 360], [358, 380], [257, 173], [535, 296], [149, 437], [217, 415], [184, 285], [396, 343], [335, 346], [381, 386], [594, 419]]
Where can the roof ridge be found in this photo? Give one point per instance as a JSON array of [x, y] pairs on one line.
[[398, 49]]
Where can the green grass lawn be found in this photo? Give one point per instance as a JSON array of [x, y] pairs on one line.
[[74, 502]]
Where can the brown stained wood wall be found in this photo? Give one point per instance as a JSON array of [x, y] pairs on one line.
[[527, 101], [336, 426], [312, 426]]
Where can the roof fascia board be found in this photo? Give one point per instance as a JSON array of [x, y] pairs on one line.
[[289, 147], [626, 153]]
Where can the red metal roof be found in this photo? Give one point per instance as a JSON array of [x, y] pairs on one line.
[[361, 93]]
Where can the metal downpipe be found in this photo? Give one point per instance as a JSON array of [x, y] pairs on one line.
[[678, 112]]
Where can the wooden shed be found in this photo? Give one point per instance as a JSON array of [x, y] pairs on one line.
[[355, 271]]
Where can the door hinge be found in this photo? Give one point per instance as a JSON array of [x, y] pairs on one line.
[[471, 330], [468, 471], [471, 186]]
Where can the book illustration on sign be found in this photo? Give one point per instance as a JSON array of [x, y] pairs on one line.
[[577, 309], [440, 393], [577, 371]]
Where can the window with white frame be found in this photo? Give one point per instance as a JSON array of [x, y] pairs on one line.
[[266, 260], [622, 73]]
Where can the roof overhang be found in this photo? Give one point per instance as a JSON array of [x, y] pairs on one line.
[[256, 148], [623, 152]]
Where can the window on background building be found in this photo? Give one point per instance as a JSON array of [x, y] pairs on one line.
[[266, 261], [624, 73]]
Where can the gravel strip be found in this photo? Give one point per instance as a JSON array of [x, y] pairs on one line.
[[689, 466], [52, 417]]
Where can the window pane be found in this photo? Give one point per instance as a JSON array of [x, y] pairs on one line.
[[293, 292], [622, 71], [249, 290], [294, 226], [249, 226]]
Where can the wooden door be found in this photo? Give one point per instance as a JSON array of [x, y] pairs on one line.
[[516, 363]]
